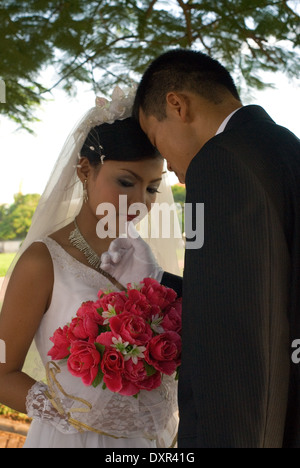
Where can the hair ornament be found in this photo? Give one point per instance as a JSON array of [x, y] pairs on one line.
[[118, 108], [106, 111]]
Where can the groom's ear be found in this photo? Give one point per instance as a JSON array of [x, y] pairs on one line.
[[178, 105]]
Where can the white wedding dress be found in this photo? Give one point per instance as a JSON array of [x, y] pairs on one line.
[[147, 422]]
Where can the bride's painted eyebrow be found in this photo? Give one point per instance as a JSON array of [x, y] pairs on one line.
[[140, 178]]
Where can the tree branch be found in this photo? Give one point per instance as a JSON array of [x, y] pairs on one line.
[[289, 9], [88, 59], [238, 11], [150, 9], [188, 20]]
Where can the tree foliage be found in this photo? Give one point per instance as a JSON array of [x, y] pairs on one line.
[[15, 220], [179, 194], [104, 42]]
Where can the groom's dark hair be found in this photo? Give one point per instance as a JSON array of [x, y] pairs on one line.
[[179, 70]]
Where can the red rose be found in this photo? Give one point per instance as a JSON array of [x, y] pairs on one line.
[[158, 294], [62, 344], [112, 367], [84, 327], [128, 388], [115, 299], [136, 373], [164, 352], [84, 361], [131, 328], [105, 339], [137, 304], [89, 309], [173, 317]]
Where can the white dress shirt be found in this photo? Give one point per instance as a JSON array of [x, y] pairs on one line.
[[225, 122]]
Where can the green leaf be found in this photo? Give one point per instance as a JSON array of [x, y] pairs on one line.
[[103, 329], [98, 379], [149, 369], [100, 348]]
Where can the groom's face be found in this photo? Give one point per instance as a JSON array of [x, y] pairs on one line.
[[172, 139]]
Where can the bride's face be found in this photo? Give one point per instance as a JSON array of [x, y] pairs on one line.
[[139, 181]]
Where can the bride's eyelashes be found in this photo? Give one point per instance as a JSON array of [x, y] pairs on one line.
[[125, 183], [153, 190], [128, 184]]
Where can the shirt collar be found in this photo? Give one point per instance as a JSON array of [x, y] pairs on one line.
[[225, 122]]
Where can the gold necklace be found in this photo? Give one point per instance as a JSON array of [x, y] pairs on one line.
[[78, 241]]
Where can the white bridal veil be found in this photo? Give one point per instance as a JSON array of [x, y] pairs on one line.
[[62, 198]]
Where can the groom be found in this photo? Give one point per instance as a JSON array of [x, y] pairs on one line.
[[241, 290]]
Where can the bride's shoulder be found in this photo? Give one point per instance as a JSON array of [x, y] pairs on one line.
[[33, 273], [36, 260]]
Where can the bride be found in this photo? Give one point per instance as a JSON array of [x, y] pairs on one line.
[[106, 156]]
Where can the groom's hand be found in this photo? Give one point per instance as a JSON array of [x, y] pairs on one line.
[[130, 260]]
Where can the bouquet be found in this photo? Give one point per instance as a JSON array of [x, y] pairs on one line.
[[126, 341]]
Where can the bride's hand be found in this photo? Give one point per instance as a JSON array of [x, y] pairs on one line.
[[39, 408], [130, 260]]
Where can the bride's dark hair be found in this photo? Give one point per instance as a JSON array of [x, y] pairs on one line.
[[122, 140]]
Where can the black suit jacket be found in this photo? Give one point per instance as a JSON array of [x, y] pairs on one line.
[[241, 291]]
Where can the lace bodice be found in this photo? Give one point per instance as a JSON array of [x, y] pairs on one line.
[[153, 414]]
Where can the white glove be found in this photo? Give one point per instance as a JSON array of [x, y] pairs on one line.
[[39, 408], [130, 260]]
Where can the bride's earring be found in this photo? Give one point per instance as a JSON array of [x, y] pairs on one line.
[[85, 192]]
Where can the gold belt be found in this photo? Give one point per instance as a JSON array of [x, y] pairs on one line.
[[52, 382]]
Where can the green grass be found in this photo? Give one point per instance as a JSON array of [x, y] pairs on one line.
[[14, 415], [5, 261]]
